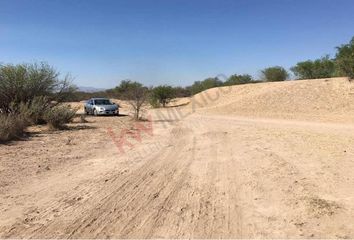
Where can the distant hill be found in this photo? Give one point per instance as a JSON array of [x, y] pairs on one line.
[[89, 89]]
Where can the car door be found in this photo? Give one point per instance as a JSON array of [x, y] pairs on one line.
[[92, 105], [89, 106]]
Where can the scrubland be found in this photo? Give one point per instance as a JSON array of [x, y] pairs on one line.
[[265, 160]]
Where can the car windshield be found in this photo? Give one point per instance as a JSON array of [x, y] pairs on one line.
[[102, 102]]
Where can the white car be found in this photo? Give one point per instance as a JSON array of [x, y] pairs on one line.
[[101, 106]]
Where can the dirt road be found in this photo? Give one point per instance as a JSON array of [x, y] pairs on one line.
[[204, 176]]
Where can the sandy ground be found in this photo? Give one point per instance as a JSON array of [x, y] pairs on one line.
[[206, 173], [321, 100]]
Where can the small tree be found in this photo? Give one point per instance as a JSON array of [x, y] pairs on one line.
[[135, 93], [345, 59], [182, 91], [200, 86], [163, 94], [23, 82], [238, 79], [320, 68], [273, 74]]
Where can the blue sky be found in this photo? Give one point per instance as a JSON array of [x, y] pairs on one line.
[[101, 42]]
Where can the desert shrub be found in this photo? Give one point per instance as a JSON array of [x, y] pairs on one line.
[[320, 68], [238, 79], [57, 117], [23, 82], [182, 91], [135, 93], [83, 119], [12, 126], [345, 59], [154, 102], [33, 111], [200, 86], [274, 74], [38, 106], [163, 94]]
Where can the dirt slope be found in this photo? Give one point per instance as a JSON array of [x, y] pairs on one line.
[[318, 99]]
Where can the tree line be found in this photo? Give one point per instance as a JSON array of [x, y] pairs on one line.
[[342, 65]]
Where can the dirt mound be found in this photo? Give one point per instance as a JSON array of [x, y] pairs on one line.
[[318, 99]]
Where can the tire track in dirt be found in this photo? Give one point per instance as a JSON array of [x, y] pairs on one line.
[[216, 177], [156, 172]]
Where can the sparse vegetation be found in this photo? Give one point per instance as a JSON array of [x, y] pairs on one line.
[[154, 102], [83, 119], [58, 116], [274, 74], [182, 91], [23, 82], [238, 79], [345, 59], [135, 93], [12, 126], [30, 94], [200, 86], [320, 68], [162, 94], [34, 110]]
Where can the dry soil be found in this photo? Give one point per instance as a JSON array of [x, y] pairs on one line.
[[271, 160]]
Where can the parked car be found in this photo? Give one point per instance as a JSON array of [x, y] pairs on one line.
[[101, 106]]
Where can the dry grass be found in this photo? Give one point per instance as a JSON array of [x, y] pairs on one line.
[[11, 126], [58, 116]]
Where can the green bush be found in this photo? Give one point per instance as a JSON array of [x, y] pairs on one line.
[[320, 68], [162, 94], [182, 92], [238, 79], [135, 93], [154, 102], [57, 117], [12, 126], [13, 123], [33, 111], [274, 74], [345, 59], [200, 86], [23, 82]]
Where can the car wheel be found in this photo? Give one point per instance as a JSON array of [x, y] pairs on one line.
[[86, 112]]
